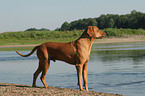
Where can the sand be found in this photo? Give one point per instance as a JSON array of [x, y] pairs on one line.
[[26, 90]]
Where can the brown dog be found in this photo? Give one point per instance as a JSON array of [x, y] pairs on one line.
[[76, 53]]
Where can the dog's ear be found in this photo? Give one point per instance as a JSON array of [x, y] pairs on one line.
[[91, 32]]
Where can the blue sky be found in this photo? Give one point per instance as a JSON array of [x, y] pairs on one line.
[[19, 15]]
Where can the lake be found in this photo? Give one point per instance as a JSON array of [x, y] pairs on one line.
[[117, 68]]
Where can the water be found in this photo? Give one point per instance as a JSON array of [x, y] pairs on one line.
[[117, 68]]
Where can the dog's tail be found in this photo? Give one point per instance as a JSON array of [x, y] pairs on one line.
[[33, 50]]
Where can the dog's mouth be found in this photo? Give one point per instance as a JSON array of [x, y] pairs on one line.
[[100, 37]]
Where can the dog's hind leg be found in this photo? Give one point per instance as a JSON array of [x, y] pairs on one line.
[[35, 75], [46, 65]]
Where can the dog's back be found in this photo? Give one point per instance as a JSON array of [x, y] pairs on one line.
[[59, 51]]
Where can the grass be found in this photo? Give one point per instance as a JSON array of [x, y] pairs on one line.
[[38, 37], [123, 32], [15, 48]]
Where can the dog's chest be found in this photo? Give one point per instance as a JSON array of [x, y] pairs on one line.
[[83, 52]]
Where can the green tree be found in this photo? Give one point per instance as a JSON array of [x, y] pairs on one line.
[[44, 29], [133, 20], [92, 22], [65, 26], [101, 21], [110, 23], [32, 29]]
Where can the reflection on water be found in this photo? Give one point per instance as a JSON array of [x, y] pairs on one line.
[[113, 67], [119, 57]]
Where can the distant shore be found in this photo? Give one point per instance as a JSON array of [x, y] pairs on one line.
[[119, 40], [21, 90], [104, 40]]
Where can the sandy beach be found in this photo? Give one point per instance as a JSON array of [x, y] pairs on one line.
[[26, 90]]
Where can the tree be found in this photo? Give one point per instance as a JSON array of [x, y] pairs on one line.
[[43, 29], [32, 29], [65, 26], [134, 20], [101, 21], [124, 21], [142, 22], [110, 23], [92, 22]]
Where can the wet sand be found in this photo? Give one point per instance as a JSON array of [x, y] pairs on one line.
[[26, 90]]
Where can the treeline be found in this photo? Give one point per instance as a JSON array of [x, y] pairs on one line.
[[135, 20], [35, 29]]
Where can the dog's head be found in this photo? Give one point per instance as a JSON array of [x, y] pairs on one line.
[[94, 32]]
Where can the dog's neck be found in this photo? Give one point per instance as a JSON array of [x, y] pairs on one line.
[[86, 37], [85, 40]]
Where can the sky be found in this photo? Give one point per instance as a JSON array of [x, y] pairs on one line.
[[19, 15]]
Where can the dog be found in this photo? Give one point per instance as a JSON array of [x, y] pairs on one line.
[[75, 53]]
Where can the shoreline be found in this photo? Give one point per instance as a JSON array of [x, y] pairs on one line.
[[119, 40], [104, 40], [20, 90]]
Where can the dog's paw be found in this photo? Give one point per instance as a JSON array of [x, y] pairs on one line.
[[34, 86], [47, 87], [82, 90]]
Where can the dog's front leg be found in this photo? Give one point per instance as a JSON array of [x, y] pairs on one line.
[[79, 68], [85, 72]]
